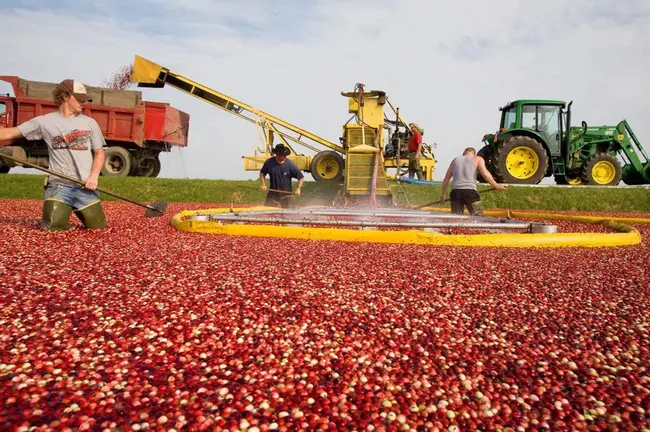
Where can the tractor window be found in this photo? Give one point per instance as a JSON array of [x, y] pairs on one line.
[[509, 118], [548, 125], [548, 119], [3, 114], [528, 116]]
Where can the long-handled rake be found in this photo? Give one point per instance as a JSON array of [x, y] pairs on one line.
[[152, 210]]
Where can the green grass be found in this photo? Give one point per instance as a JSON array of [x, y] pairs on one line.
[[542, 198], [27, 186]]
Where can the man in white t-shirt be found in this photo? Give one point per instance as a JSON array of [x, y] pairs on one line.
[[75, 148]]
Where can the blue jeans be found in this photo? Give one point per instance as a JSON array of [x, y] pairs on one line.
[[74, 196]]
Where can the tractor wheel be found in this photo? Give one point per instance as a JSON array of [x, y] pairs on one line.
[[521, 160], [4, 169], [570, 179], [630, 176], [602, 169], [327, 166], [118, 162], [485, 154], [645, 172]]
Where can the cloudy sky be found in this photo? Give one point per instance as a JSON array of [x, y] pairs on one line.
[[447, 65]]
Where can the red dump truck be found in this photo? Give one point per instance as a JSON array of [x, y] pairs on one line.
[[135, 131]]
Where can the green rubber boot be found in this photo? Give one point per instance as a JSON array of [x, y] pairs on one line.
[[92, 216], [56, 215]]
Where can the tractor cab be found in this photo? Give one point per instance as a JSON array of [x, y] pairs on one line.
[[528, 145], [540, 117]]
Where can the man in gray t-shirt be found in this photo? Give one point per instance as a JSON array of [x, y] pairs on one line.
[[464, 192], [75, 148]]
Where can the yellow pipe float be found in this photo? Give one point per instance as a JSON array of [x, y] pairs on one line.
[[624, 235]]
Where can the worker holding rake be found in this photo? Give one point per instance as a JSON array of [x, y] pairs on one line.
[[75, 148], [464, 191], [280, 170]]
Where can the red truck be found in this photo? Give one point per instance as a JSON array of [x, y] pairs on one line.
[[135, 131]]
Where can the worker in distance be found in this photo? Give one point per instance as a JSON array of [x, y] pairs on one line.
[[281, 171], [75, 147], [464, 191], [415, 151]]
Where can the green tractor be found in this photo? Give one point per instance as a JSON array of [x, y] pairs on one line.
[[536, 140]]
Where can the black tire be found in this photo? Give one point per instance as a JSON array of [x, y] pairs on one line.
[[147, 166], [486, 155], [327, 166], [573, 180], [4, 169], [157, 167], [530, 145], [612, 169], [631, 177], [118, 162]]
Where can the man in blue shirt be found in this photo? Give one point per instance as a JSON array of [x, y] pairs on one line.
[[280, 170]]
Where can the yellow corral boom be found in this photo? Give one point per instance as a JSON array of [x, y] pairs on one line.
[[359, 159]]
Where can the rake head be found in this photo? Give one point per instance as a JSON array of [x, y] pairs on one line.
[[156, 209]]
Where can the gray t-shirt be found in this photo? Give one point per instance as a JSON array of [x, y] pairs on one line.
[[463, 173], [69, 143]]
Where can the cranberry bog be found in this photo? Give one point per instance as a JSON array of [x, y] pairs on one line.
[[144, 327]]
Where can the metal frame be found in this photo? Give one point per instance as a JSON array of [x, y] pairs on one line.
[[372, 219]]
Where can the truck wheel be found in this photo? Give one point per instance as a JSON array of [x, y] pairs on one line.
[[602, 169], [148, 166], [521, 160], [4, 169], [118, 162], [327, 166], [157, 166]]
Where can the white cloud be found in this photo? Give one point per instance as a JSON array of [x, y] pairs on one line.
[[447, 65]]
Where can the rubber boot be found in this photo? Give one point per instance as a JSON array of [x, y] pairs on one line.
[[476, 208], [56, 215], [92, 216]]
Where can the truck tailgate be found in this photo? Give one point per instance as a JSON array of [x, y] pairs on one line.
[[166, 123]]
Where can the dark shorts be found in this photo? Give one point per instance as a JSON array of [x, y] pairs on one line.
[[461, 198], [274, 199]]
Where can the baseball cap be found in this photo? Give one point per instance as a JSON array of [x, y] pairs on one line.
[[76, 89]]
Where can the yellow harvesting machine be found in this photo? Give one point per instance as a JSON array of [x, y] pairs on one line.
[[360, 159]]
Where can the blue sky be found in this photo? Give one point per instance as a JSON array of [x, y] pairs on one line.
[[448, 65]]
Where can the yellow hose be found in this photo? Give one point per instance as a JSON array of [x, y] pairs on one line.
[[624, 235]]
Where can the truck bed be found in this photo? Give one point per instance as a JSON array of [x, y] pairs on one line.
[[101, 96], [122, 115]]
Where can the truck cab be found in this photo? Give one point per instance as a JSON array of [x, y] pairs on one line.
[[5, 109]]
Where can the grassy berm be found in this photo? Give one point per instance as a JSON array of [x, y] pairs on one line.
[[30, 186]]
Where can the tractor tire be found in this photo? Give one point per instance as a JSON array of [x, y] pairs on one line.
[[602, 169], [573, 180], [118, 162], [327, 166], [485, 154], [4, 169], [631, 176], [521, 160]]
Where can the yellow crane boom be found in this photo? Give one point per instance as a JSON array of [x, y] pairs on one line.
[[149, 74]]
